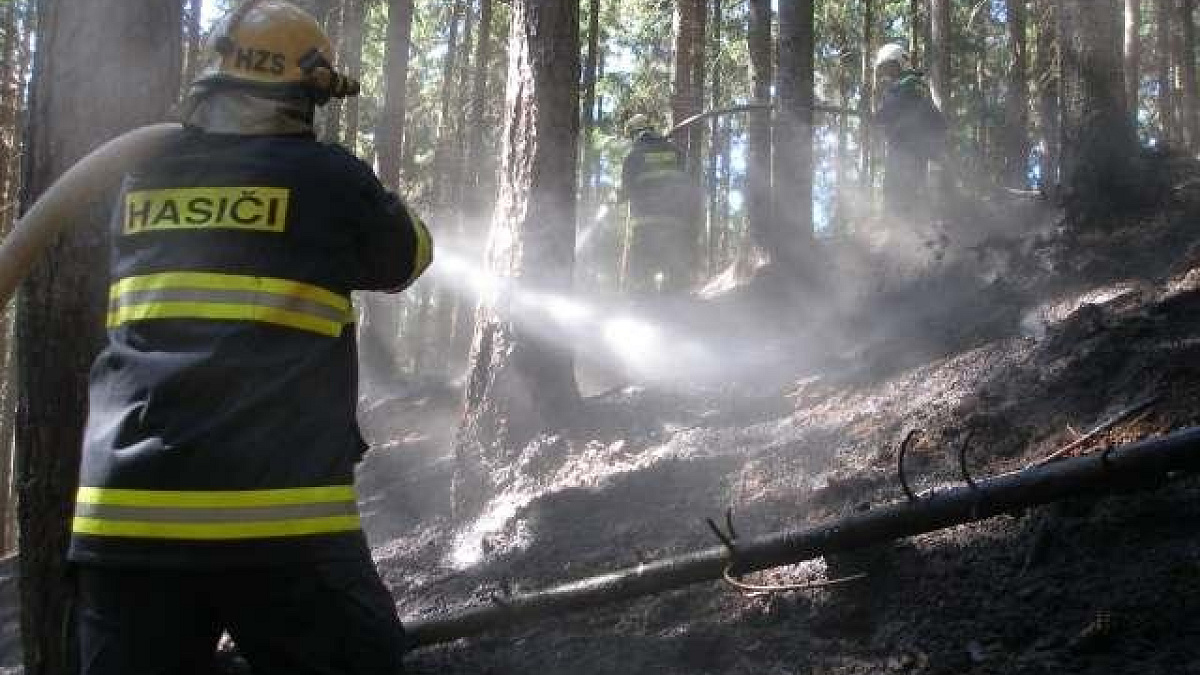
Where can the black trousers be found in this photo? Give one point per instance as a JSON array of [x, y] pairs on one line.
[[333, 618]]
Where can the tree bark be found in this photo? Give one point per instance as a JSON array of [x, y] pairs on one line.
[[1016, 117], [395, 106], [522, 380], [78, 101], [1098, 133], [794, 139], [1133, 55], [335, 27], [759, 206], [717, 220], [193, 36], [352, 43], [591, 69], [940, 50], [1049, 112], [1186, 58], [1163, 17], [867, 104], [689, 77]]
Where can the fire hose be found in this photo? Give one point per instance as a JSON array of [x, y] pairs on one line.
[[81, 184], [1144, 465]]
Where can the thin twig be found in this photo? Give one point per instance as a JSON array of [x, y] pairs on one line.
[[1104, 426]]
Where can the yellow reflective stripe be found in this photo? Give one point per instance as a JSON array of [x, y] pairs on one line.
[[229, 282], [215, 499], [424, 255], [216, 531], [204, 310]]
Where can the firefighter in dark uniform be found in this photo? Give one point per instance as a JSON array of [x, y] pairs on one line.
[[218, 462], [658, 243], [915, 131]]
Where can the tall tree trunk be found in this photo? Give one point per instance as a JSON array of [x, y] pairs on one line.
[[1163, 17], [443, 161], [10, 100], [689, 76], [476, 202], [522, 383], [591, 69], [759, 205], [1098, 133], [1186, 57], [1016, 117], [940, 50], [395, 106], [352, 42], [335, 26], [716, 222], [10, 95], [1133, 55], [915, 32], [867, 105], [1049, 113], [794, 138], [62, 307], [193, 36]]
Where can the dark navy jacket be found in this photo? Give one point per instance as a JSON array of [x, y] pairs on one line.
[[222, 424]]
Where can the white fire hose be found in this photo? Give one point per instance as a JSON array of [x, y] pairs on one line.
[[80, 185]]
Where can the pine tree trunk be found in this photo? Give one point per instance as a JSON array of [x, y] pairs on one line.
[[477, 200], [352, 42], [1098, 133], [10, 96], [1163, 17], [444, 162], [794, 138], [1049, 113], [1016, 154], [866, 139], [591, 68], [689, 77], [1133, 55], [759, 208], [521, 383], [940, 49], [395, 106], [717, 222], [193, 35], [335, 26], [1186, 57], [62, 307]]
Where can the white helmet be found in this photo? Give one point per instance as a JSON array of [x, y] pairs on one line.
[[891, 53]]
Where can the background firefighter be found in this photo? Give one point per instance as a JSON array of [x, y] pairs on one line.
[[915, 131], [218, 462], [662, 213]]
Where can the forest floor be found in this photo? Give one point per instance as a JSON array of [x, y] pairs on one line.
[[1024, 337], [1020, 332]]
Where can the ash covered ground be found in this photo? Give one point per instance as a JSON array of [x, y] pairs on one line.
[[1022, 335], [1024, 338]]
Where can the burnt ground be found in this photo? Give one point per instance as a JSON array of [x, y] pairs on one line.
[[1035, 337], [1024, 336]]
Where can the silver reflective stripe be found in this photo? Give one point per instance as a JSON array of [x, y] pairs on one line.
[[222, 515], [272, 300]]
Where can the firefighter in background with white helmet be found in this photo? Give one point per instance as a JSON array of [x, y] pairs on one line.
[[218, 462], [662, 213], [915, 131]]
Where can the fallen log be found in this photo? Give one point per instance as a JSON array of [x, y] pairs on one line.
[[1139, 466]]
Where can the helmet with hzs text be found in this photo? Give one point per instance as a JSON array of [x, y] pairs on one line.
[[272, 49]]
